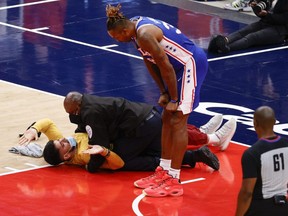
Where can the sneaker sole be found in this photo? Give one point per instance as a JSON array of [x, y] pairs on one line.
[[215, 160], [172, 193], [224, 146], [144, 187]]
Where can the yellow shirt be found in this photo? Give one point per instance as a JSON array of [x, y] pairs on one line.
[[49, 128]]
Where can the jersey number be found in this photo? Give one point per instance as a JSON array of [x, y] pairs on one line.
[[278, 162]]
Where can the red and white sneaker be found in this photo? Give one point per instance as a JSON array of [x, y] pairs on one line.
[[168, 187], [152, 180]]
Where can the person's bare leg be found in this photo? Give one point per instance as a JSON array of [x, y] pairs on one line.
[[178, 130], [166, 139], [174, 144]]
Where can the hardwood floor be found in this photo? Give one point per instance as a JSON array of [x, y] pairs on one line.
[[20, 106]]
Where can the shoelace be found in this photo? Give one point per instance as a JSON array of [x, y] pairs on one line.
[[222, 131], [163, 182], [153, 175]]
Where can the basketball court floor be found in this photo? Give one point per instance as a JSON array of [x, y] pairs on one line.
[[51, 47]]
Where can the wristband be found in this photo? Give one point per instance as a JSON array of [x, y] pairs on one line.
[[173, 101]]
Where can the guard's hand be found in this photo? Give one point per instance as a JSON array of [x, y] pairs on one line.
[[163, 100], [93, 149], [28, 136]]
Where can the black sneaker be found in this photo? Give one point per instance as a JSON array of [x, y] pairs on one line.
[[212, 47], [222, 44], [205, 156]]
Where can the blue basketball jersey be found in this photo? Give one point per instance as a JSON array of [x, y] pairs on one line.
[[176, 45]]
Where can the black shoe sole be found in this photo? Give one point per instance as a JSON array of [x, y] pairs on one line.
[[209, 158]]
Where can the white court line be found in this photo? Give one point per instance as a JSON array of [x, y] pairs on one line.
[[238, 143], [135, 205], [192, 180], [10, 168], [32, 165], [70, 40], [136, 201], [109, 46], [14, 171], [247, 53], [31, 89], [27, 4], [106, 48], [17, 170], [41, 29]]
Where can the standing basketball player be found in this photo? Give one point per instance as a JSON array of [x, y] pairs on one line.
[[265, 171], [178, 67]]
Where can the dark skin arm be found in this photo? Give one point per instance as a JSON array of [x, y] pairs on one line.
[[148, 39], [245, 196], [156, 75]]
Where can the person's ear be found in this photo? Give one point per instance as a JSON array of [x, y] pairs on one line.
[[67, 156]]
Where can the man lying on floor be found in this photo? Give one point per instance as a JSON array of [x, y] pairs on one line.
[[76, 150]]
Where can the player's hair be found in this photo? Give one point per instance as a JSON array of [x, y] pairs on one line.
[[51, 154], [115, 17]]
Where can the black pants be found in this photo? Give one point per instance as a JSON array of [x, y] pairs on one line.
[[256, 34], [266, 207], [142, 152]]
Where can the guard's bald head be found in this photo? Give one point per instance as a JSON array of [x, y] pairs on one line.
[[72, 102], [264, 117]]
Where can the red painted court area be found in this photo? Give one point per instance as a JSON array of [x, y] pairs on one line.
[[67, 190]]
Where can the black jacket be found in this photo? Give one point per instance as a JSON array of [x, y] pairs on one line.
[[278, 15], [106, 119]]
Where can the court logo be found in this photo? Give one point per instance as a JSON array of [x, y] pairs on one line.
[[244, 115]]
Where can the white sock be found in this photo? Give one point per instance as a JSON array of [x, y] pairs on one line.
[[213, 139], [175, 173], [165, 164]]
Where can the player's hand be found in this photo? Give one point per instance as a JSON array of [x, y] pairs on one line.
[[172, 107], [28, 136], [93, 149], [163, 100]]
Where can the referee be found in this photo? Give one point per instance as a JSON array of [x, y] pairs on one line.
[[265, 171]]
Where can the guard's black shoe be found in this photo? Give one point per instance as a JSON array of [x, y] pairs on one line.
[[205, 156]]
